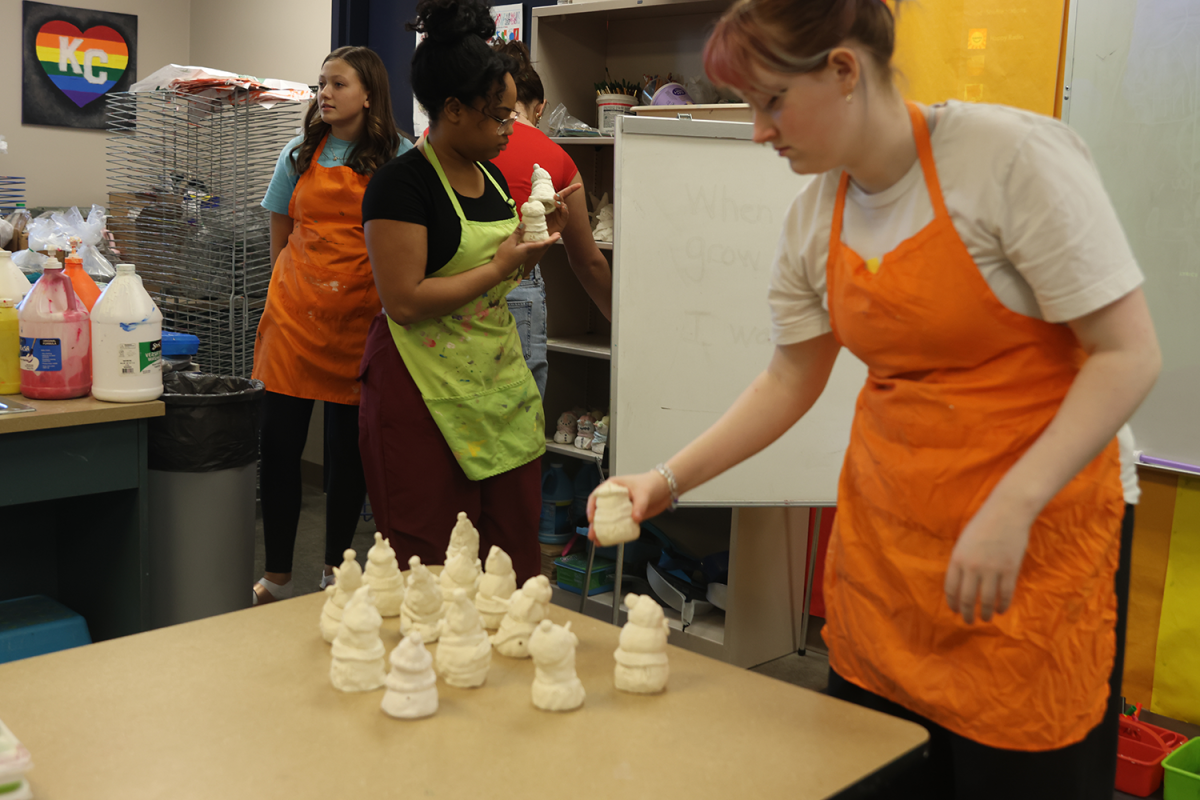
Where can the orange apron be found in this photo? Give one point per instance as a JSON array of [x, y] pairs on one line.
[[322, 295], [958, 388]]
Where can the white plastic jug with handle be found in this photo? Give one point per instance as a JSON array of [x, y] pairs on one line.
[[13, 283], [126, 341]]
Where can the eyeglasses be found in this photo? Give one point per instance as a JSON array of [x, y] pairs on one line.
[[508, 123]]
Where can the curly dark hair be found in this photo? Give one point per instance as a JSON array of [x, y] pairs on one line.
[[529, 84]]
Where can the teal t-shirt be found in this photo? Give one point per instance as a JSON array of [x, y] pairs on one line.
[[283, 182]]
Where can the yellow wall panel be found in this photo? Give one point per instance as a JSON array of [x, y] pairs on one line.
[[1177, 659], [1148, 573]]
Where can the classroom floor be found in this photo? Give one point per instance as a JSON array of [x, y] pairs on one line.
[[809, 671]]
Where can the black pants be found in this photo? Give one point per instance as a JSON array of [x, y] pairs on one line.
[[958, 768], [284, 431]]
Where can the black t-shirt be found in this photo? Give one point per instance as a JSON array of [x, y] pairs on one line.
[[407, 189]]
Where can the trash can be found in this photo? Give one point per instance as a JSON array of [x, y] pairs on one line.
[[203, 460]]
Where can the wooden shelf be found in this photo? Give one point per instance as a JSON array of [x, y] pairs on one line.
[[632, 9], [596, 140], [591, 345], [571, 451]]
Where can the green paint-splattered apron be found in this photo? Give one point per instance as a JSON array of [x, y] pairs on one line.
[[469, 364]]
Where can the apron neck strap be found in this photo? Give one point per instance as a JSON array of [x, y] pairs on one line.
[[431, 155], [925, 152]]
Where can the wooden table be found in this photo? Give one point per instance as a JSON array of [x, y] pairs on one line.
[[73, 509], [240, 706]]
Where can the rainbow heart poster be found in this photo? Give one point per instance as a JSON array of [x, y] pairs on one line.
[[72, 60]]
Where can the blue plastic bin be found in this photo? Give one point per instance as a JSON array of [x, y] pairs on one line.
[[34, 626]]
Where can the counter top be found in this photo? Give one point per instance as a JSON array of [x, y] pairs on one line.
[[80, 411]]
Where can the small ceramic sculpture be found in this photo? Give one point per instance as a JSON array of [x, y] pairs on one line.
[[600, 437], [642, 650], [497, 586], [586, 428], [464, 653], [528, 606], [541, 189], [556, 687], [411, 685], [348, 579], [460, 572], [565, 432], [463, 539], [603, 231], [421, 610], [613, 521], [534, 218], [384, 578], [358, 664]]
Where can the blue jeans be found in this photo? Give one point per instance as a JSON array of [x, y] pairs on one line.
[[527, 303]]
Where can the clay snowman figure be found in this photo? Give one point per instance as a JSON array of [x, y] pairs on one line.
[[556, 687], [541, 189], [564, 432], [411, 685], [384, 578], [528, 606], [348, 578], [358, 664], [464, 653], [600, 437], [585, 428], [641, 653], [421, 610], [464, 538], [613, 522], [460, 572], [535, 222], [497, 587]]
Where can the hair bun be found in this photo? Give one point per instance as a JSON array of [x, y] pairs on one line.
[[451, 21]]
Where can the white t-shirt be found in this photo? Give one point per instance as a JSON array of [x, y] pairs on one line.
[[1024, 197]]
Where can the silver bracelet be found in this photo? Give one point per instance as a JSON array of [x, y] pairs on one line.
[[672, 485]]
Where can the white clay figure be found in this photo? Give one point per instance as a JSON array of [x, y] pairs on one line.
[[411, 685], [528, 606], [421, 610], [348, 578], [535, 222], [460, 572], [541, 189], [642, 651], [497, 586], [384, 578], [556, 687], [464, 653], [613, 521], [564, 433], [586, 428], [358, 664], [463, 539], [600, 437]]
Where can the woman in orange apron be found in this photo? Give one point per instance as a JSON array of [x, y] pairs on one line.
[[320, 303], [451, 419], [969, 256]]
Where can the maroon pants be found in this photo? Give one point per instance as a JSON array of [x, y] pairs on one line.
[[415, 484]]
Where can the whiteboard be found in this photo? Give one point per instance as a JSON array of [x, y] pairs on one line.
[[1134, 80], [699, 209]]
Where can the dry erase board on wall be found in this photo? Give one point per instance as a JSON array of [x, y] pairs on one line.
[[699, 209], [1134, 96]]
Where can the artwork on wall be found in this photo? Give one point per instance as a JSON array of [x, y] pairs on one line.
[[508, 23], [71, 59]]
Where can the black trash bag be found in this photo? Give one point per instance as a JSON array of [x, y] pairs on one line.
[[211, 423]]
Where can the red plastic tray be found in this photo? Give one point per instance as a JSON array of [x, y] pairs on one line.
[[1140, 751]]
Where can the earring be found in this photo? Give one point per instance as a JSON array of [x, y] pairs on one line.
[[849, 97]]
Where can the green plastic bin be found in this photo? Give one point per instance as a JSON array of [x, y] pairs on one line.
[[572, 568], [1181, 772]]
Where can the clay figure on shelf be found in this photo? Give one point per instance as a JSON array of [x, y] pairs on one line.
[[464, 653], [348, 577], [585, 428], [535, 222], [600, 437], [566, 429], [464, 538], [642, 650], [528, 606], [384, 578], [556, 687], [603, 232], [613, 521], [497, 587], [358, 664], [460, 572], [541, 189], [421, 610], [411, 684]]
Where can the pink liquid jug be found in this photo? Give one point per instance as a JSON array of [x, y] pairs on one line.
[[56, 341]]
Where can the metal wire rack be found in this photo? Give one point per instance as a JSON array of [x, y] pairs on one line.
[[12, 192], [186, 176]]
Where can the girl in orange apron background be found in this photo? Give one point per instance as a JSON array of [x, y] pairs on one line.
[[320, 303], [969, 255], [451, 419]]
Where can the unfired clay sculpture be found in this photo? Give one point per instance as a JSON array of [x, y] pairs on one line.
[[463, 539], [348, 579], [528, 606], [411, 685], [497, 586], [460, 572], [600, 438], [384, 578], [585, 428], [358, 664], [642, 651], [541, 189], [613, 521], [464, 652], [564, 432], [535, 222], [603, 231], [421, 610], [556, 687]]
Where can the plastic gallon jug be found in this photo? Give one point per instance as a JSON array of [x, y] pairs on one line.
[[85, 287], [126, 341], [13, 282], [587, 479], [10, 348], [56, 339], [555, 524]]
